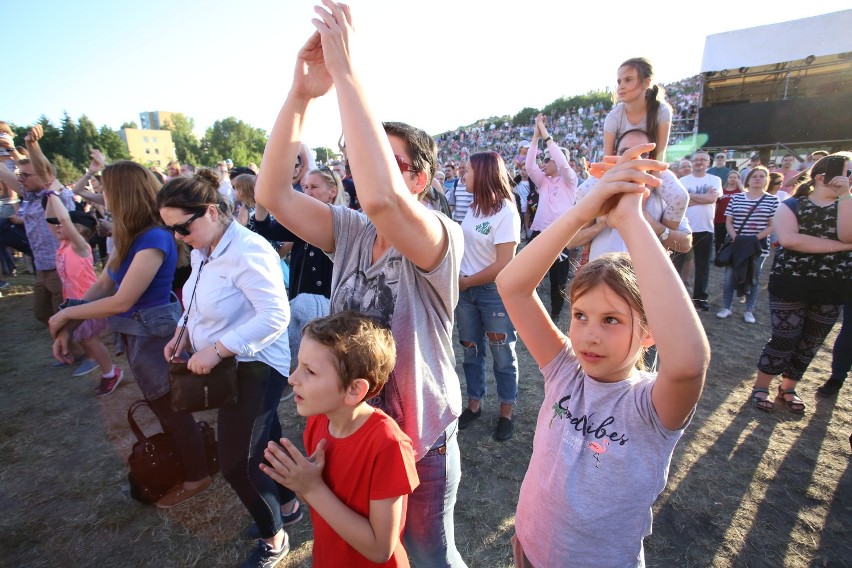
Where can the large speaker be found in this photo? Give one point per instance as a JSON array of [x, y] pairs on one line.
[[811, 120]]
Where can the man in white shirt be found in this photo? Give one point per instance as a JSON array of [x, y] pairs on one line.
[[704, 190]]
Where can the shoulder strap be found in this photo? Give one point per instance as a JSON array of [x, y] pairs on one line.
[[750, 212], [189, 307]]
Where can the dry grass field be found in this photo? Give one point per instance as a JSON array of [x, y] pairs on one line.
[[746, 488]]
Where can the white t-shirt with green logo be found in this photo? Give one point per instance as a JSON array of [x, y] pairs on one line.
[[483, 234]]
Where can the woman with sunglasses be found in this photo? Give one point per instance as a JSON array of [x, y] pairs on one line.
[[238, 308], [811, 278], [491, 229], [134, 292], [398, 263]]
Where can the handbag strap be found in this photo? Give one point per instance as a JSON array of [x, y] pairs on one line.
[[137, 431], [188, 308], [762, 197]]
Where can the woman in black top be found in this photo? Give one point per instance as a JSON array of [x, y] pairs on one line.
[[811, 278]]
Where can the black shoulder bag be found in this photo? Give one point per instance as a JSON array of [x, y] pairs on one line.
[[726, 251], [193, 392]]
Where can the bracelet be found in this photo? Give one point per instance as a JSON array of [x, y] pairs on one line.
[[548, 139], [216, 349]]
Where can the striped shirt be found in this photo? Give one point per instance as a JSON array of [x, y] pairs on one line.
[[739, 207]]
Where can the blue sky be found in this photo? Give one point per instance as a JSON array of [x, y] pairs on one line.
[[436, 64]]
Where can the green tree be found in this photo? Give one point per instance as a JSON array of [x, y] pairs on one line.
[[51, 139], [87, 139], [111, 144], [130, 124], [69, 138], [66, 171], [324, 154], [524, 117], [187, 147], [234, 139]]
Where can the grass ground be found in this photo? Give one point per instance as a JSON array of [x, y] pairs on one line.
[[745, 489]]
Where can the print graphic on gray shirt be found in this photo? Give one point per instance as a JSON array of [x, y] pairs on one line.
[[423, 393]]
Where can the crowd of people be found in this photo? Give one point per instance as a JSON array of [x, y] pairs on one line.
[[346, 297]]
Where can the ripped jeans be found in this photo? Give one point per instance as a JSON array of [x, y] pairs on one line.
[[481, 319]]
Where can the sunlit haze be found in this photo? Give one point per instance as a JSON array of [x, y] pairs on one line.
[[436, 64]]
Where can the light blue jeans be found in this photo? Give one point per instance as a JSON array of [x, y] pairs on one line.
[[479, 312], [730, 285], [429, 528]]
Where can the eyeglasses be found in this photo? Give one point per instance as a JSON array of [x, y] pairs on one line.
[[183, 228], [24, 175], [403, 165]]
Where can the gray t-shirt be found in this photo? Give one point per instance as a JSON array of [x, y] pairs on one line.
[[600, 459], [423, 393], [616, 121]]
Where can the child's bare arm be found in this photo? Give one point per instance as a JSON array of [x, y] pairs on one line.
[[517, 282], [55, 208], [672, 320], [375, 537]]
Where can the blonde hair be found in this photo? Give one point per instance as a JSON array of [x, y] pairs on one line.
[[244, 184]]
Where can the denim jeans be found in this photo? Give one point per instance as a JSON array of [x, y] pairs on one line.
[[730, 285], [429, 528], [841, 359], [479, 312], [243, 431]]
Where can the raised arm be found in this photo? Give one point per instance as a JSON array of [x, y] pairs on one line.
[[387, 200], [517, 282], [41, 165], [97, 164], [306, 217], [673, 323], [55, 208]]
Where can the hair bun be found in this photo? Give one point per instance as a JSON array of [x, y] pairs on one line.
[[207, 175]]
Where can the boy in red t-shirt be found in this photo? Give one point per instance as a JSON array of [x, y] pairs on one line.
[[361, 468]]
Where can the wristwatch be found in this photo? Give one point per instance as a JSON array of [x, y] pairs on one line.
[[665, 234]]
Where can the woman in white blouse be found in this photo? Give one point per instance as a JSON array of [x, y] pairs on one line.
[[239, 309]]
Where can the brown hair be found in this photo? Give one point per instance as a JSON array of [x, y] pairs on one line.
[[362, 348], [654, 95], [806, 180], [193, 194], [490, 183], [763, 169], [615, 271], [244, 183], [131, 191]]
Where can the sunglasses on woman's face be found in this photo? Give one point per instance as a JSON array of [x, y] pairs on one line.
[[183, 228]]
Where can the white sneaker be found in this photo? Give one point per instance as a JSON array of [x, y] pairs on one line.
[[723, 313], [749, 317]]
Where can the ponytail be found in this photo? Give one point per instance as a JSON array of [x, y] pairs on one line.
[[652, 106]]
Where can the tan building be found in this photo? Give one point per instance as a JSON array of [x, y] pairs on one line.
[[155, 120], [149, 147]]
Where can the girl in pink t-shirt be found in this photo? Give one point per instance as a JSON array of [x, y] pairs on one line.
[[76, 270]]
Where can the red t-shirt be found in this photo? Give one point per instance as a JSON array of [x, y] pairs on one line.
[[376, 462], [722, 204]]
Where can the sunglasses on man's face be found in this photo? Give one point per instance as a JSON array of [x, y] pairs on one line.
[[183, 228], [403, 165]]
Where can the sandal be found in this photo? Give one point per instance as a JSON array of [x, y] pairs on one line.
[[763, 404], [795, 406]]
